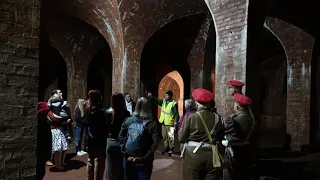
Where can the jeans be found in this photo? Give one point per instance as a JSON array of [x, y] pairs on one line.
[[135, 171], [79, 134]]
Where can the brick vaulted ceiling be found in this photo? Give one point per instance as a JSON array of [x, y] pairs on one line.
[[119, 20]]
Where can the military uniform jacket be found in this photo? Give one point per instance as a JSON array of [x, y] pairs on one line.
[[192, 128], [239, 126]]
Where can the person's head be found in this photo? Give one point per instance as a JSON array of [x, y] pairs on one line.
[[82, 107], [57, 94], [127, 97], [168, 95], [95, 99], [143, 108], [118, 103], [203, 98], [189, 104], [242, 102], [235, 87]]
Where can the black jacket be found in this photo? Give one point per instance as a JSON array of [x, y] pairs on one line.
[[80, 121], [115, 126], [97, 129]]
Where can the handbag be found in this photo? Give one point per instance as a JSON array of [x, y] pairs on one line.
[[218, 160]]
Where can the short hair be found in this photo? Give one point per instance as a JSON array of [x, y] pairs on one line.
[[143, 109], [126, 94], [54, 92], [189, 104]]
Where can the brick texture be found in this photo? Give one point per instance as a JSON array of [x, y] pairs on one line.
[[230, 18], [197, 56], [298, 46], [19, 38], [78, 47]]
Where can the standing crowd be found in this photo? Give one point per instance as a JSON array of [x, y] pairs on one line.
[[121, 140]]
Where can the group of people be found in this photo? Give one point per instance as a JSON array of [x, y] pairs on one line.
[[123, 138]]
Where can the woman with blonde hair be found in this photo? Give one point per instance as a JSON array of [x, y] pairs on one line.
[[81, 112], [139, 138]]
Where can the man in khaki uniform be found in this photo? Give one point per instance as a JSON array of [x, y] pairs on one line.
[[238, 133], [235, 87], [198, 153], [169, 118]]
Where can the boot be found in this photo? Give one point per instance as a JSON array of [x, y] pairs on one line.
[[165, 151]]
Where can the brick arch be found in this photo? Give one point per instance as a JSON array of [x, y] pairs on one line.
[[105, 17], [298, 46], [174, 82]]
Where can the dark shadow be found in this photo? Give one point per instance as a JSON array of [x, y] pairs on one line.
[[75, 164]]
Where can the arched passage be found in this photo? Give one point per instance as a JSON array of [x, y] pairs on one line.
[[100, 74], [52, 72], [315, 96], [273, 70], [173, 82]]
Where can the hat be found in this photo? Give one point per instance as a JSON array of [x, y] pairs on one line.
[[202, 95], [236, 83], [170, 93], [242, 100], [43, 106]]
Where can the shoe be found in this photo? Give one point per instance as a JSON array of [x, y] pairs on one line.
[[49, 163], [165, 151], [83, 152], [79, 153]]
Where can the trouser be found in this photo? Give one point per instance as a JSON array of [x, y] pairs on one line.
[[114, 160], [96, 164], [240, 164], [135, 171], [80, 131], [41, 168], [199, 166], [168, 136]]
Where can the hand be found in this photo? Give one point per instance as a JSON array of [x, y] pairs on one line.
[[225, 143], [150, 95], [69, 121], [175, 123], [130, 159], [73, 124]]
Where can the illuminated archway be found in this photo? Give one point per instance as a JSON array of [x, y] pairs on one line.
[[173, 82]]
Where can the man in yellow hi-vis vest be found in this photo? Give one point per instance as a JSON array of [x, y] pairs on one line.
[[169, 118]]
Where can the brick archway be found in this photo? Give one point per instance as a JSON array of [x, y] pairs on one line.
[[174, 82]]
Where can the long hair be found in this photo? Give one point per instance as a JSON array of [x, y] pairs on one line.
[[82, 107], [143, 109], [95, 99], [118, 104]]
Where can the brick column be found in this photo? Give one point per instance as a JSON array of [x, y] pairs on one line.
[[196, 56], [19, 52], [230, 18], [298, 47]]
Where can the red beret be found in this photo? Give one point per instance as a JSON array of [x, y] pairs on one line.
[[242, 99], [43, 106], [236, 83], [202, 95]]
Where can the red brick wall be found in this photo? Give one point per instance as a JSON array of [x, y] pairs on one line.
[[298, 46], [230, 18], [19, 41]]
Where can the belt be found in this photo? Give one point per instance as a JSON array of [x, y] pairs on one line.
[[198, 144]]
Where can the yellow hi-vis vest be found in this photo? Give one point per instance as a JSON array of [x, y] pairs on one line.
[[167, 116]]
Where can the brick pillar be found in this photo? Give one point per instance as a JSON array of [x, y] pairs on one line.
[[19, 52], [298, 47], [196, 56], [230, 18]]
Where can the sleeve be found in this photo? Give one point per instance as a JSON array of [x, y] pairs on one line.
[[123, 131], [158, 101], [230, 126], [175, 112], [184, 130], [77, 115], [155, 141]]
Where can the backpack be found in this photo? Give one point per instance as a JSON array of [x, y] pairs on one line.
[[136, 137]]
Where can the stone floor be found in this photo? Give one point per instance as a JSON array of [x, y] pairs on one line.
[[164, 168]]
